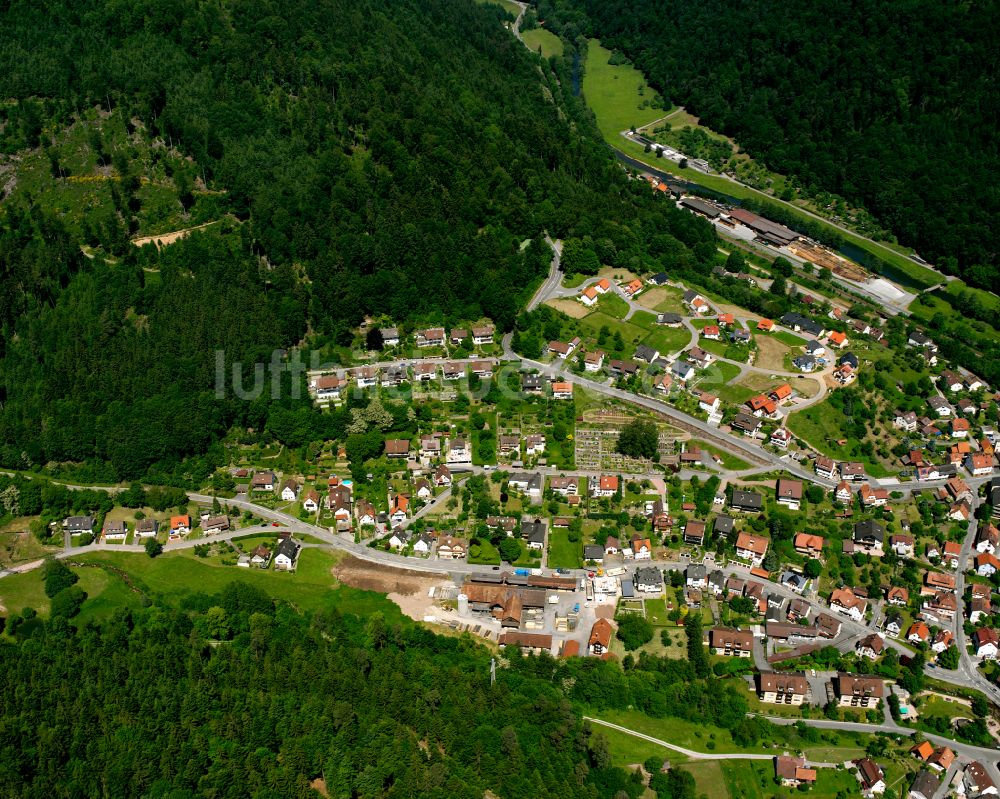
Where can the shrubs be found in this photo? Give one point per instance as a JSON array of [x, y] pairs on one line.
[[634, 631]]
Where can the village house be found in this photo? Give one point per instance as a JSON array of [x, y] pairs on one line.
[[286, 556], [442, 476], [452, 548], [562, 391], [311, 501], [871, 776], [897, 595], [792, 772], [902, 545], [782, 688], [600, 637], [147, 528], [752, 548], [986, 643], [215, 524], [459, 451], [431, 337], [604, 486], [844, 600], [789, 493], [263, 481], [870, 646], [809, 544], [869, 536], [730, 642], [859, 691]]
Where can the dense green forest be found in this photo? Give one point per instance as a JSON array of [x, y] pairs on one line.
[[889, 104], [368, 157], [237, 695]]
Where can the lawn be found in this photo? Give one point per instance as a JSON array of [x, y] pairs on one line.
[[563, 553], [788, 338], [618, 95], [937, 707], [613, 305], [689, 734], [591, 325], [656, 612], [729, 460], [668, 340], [549, 43]]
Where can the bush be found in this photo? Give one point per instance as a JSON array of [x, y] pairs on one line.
[[58, 577], [153, 547]]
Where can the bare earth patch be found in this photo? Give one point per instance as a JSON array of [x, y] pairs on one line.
[[770, 353], [572, 308], [408, 589]]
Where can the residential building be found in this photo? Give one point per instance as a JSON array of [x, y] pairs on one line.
[[600, 637], [648, 579], [985, 642], [844, 600], [871, 776], [746, 501], [782, 688], [808, 544], [287, 554], [924, 786], [789, 493], [856, 690], [694, 532], [752, 548], [727, 641], [452, 548]]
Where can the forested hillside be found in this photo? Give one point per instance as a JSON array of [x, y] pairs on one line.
[[890, 104], [362, 157], [234, 694]]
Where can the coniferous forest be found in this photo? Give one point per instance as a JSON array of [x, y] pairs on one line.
[[889, 104], [370, 158]]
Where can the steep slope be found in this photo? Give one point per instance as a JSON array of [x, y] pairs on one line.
[[890, 104], [372, 158]]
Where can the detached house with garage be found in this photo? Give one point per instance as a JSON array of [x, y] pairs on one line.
[[751, 548]]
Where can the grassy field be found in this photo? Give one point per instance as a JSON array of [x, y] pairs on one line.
[[668, 340], [820, 426], [656, 612], [788, 338], [563, 553], [171, 577], [618, 95], [612, 305], [627, 750], [708, 778], [631, 334], [549, 43]]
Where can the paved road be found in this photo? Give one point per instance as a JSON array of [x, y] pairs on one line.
[[553, 281]]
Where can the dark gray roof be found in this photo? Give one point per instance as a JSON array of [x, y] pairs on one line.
[[723, 525], [669, 318], [746, 499], [533, 532], [289, 548], [593, 552], [648, 575], [659, 278], [869, 530]]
